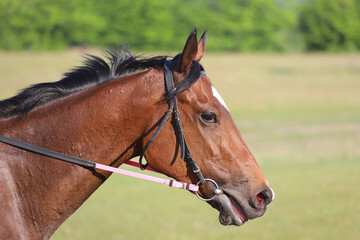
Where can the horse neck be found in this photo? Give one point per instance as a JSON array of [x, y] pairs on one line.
[[104, 124]]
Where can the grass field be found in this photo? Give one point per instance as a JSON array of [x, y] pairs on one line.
[[300, 116]]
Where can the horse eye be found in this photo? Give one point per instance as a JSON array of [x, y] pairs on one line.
[[209, 117]]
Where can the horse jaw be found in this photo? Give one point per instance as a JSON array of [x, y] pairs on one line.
[[230, 213]]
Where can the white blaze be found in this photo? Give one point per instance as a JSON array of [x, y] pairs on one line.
[[218, 97]]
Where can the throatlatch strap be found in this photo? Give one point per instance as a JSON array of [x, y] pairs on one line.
[[161, 125]]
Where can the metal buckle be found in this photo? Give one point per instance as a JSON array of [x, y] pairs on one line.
[[217, 190]]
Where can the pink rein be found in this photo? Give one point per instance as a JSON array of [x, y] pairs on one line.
[[170, 183]]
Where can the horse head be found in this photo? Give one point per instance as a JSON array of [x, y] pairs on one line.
[[214, 142]]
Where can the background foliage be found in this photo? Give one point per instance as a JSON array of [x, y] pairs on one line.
[[235, 25]]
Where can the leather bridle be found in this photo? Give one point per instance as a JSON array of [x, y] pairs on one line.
[[179, 132]]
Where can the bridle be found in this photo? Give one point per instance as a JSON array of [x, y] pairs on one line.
[[179, 132]]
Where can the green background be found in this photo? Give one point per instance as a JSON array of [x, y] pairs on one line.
[[236, 25]]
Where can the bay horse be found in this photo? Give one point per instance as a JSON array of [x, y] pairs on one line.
[[108, 112]]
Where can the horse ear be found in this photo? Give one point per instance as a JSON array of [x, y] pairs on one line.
[[189, 52], [201, 47]]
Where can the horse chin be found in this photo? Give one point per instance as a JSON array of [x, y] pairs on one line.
[[231, 213]]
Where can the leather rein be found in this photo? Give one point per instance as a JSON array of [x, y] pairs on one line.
[[179, 132]]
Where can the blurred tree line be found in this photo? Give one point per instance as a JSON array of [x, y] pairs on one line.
[[234, 25]]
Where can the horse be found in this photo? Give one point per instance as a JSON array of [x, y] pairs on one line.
[[108, 110]]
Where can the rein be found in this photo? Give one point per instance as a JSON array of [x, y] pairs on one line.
[[90, 164], [179, 132]]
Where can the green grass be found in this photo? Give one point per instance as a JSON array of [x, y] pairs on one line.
[[300, 116]]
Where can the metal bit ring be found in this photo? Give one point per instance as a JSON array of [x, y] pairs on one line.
[[217, 190]]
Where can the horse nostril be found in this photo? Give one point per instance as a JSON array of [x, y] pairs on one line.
[[260, 198], [263, 198]]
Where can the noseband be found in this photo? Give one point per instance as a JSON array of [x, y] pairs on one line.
[[179, 132]]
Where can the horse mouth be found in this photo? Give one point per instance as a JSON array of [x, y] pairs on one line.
[[231, 212]]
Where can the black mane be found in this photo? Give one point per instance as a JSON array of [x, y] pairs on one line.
[[95, 71]]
